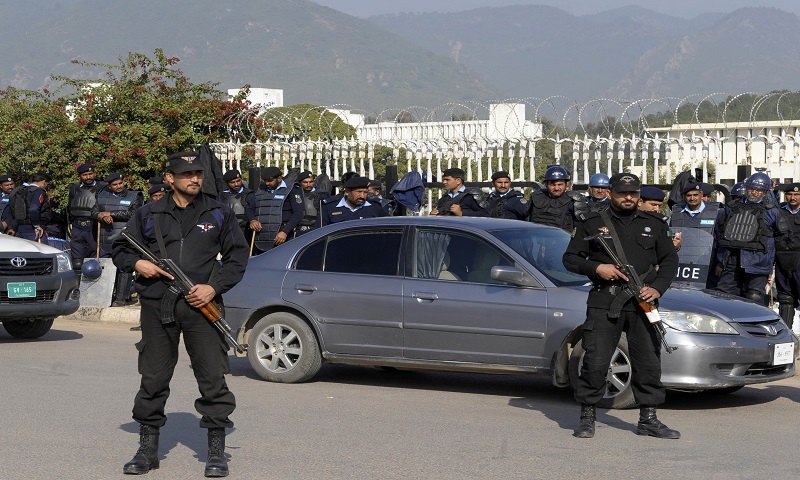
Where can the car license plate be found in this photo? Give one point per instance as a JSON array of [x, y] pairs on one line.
[[21, 289], [783, 354]]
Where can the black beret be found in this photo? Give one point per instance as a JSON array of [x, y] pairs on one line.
[[375, 184], [500, 174], [792, 187], [231, 175], [271, 172], [692, 186], [357, 182], [157, 188], [303, 175], [85, 167], [112, 177], [6, 178], [155, 180], [454, 172], [184, 162], [625, 182], [652, 193], [707, 188]]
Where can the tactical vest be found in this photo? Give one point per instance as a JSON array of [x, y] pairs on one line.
[[311, 203], [236, 201], [444, 203], [269, 211], [587, 205], [83, 200], [19, 201], [551, 211], [108, 202], [495, 204], [745, 227], [704, 220]]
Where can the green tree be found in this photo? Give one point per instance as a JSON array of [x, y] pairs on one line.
[[305, 121]]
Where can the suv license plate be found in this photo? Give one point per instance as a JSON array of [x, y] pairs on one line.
[[783, 354], [21, 290]]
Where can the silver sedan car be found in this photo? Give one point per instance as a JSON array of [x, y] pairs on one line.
[[475, 295]]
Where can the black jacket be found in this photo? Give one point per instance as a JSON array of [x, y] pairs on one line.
[[210, 229]]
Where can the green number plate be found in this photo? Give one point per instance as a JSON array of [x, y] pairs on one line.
[[21, 290]]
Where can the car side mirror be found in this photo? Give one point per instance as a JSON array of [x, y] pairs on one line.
[[512, 275]]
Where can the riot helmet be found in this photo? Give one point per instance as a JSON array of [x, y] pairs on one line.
[[599, 180], [555, 173], [758, 181], [738, 190], [91, 269]]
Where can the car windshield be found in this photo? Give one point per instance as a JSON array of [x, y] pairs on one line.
[[542, 248]]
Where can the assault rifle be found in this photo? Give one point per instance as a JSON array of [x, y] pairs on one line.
[[180, 285], [635, 285]]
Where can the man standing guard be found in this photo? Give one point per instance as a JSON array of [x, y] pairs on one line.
[[29, 209], [191, 228], [746, 243], [640, 239], [554, 205], [457, 200], [6, 186], [274, 210], [235, 196], [787, 253], [116, 204], [82, 199], [312, 198], [353, 204], [503, 201]]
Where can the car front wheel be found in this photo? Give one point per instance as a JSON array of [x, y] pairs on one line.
[[619, 392], [283, 348], [30, 328]]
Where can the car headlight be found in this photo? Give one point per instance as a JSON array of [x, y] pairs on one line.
[[64, 262], [695, 322]]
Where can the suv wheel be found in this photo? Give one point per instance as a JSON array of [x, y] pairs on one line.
[[283, 348], [619, 392], [30, 328]]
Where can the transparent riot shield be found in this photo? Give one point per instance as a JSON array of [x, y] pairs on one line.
[[695, 256]]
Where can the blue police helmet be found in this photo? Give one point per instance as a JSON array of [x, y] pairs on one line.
[[758, 181], [738, 190], [599, 180], [91, 269], [556, 173]]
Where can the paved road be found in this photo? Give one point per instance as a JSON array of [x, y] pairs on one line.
[[67, 400]]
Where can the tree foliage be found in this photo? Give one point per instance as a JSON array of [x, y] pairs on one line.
[[305, 121]]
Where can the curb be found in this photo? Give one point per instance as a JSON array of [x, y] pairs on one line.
[[127, 315]]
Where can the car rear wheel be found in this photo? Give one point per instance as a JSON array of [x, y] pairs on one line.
[[29, 328], [283, 348], [619, 392]]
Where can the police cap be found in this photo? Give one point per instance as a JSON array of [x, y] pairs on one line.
[[652, 193], [357, 182], [157, 188], [85, 167], [454, 173], [303, 175], [112, 177], [690, 187], [500, 174], [231, 175], [6, 178], [271, 172], [182, 162], [625, 182], [375, 184], [791, 187]]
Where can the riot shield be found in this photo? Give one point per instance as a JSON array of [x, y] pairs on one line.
[[695, 256]]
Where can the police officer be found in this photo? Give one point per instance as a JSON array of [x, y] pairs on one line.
[[29, 209], [191, 228], [643, 243], [116, 204], [80, 202], [235, 196], [738, 191], [503, 201], [353, 205], [6, 186], [787, 253], [312, 197], [554, 205], [650, 200], [374, 195], [695, 212], [156, 192], [153, 181], [746, 243], [457, 200], [274, 210]]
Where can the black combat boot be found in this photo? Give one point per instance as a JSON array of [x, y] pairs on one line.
[[586, 427], [217, 464], [146, 457], [650, 425]]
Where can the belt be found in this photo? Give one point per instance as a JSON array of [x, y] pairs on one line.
[[609, 289], [83, 223]]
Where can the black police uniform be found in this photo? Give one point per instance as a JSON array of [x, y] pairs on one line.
[[787, 259], [465, 198], [313, 204], [644, 240], [335, 210], [497, 205], [279, 210], [29, 207], [193, 236], [558, 211], [4, 198], [82, 242], [237, 201]]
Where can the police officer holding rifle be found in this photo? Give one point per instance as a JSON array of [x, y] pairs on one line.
[[639, 240], [191, 228]]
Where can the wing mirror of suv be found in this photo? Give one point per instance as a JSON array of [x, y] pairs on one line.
[[512, 275]]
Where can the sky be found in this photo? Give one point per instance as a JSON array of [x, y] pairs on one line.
[[677, 8]]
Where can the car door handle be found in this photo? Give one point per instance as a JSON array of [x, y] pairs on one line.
[[305, 289], [425, 297]]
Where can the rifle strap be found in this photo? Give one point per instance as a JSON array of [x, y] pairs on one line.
[[613, 232], [159, 236]]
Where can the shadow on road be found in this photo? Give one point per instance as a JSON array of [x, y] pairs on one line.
[[51, 336]]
